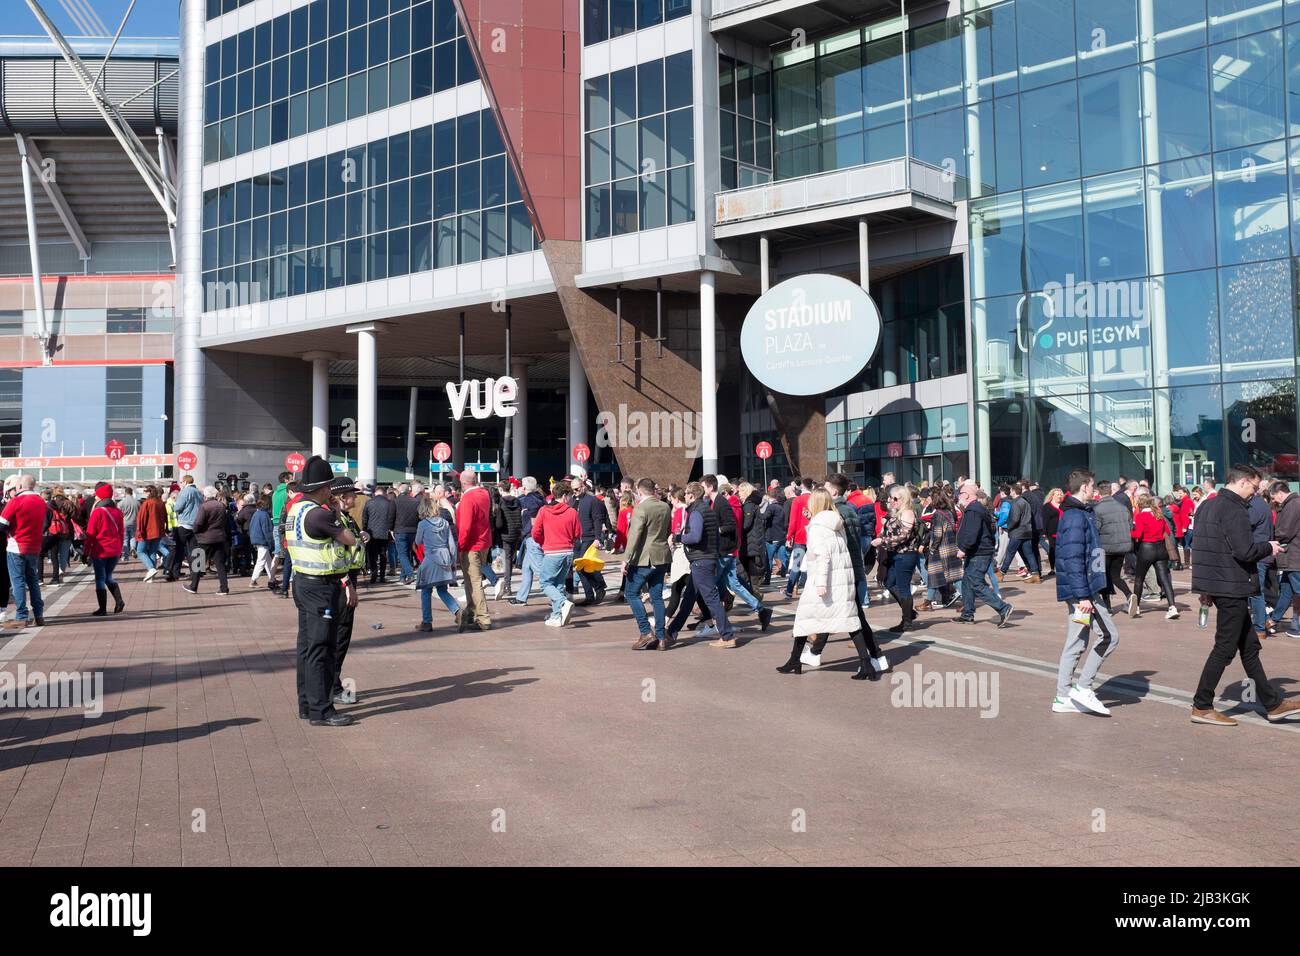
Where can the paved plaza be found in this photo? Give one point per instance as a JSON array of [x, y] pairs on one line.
[[528, 745]]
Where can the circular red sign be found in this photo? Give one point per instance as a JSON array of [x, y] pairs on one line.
[[294, 462], [763, 450], [441, 451], [115, 450], [895, 449], [187, 461], [581, 452]]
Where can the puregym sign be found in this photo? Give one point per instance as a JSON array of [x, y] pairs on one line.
[[810, 334]]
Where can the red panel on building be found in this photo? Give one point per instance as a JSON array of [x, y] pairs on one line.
[[529, 54]]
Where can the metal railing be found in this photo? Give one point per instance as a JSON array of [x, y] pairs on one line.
[[872, 180]]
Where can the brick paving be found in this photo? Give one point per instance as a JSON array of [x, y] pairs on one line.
[[528, 745]]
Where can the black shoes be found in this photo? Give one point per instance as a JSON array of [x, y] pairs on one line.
[[963, 619], [333, 720], [1005, 616], [792, 666], [866, 673], [764, 618], [462, 621], [517, 603], [101, 596], [118, 603]]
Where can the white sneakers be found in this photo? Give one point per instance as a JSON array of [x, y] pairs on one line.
[[565, 611], [1063, 705], [1087, 700], [498, 588], [707, 630], [1171, 614], [153, 573], [808, 659], [553, 622]]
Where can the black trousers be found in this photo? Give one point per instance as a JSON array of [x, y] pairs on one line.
[[344, 638], [377, 557], [319, 600], [1115, 575], [182, 545], [1154, 554], [1233, 635], [215, 557]]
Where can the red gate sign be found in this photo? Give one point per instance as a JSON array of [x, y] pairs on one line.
[[441, 452], [187, 461], [115, 450], [895, 449], [294, 463], [581, 452], [763, 450]]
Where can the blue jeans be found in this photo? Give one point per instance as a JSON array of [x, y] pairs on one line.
[[1257, 605], [25, 579], [555, 568], [147, 551], [1028, 553], [901, 569], [404, 554], [1287, 588], [653, 578], [793, 576], [974, 584], [532, 565], [727, 575], [426, 602], [63, 553], [128, 539], [104, 572]]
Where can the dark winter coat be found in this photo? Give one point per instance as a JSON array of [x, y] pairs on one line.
[[977, 534], [1114, 525], [511, 520], [1080, 566], [1224, 554]]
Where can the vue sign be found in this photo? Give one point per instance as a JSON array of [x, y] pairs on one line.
[[494, 397]]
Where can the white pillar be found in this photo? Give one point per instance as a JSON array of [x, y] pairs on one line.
[[577, 403], [410, 433], [977, 340], [320, 402], [864, 266], [190, 393], [708, 375], [34, 249], [367, 401], [765, 262], [519, 426]]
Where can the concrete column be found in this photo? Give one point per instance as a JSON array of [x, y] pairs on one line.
[[191, 428], [864, 262], [977, 329], [367, 401], [708, 375], [765, 262], [458, 445], [320, 402], [410, 432], [578, 428], [34, 250], [519, 434]]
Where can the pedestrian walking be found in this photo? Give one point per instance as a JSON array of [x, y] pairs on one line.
[[700, 536], [150, 532], [262, 536], [555, 530], [435, 543], [646, 559], [105, 532], [828, 603], [1149, 533], [1225, 569], [378, 519], [901, 541], [976, 545], [530, 503], [25, 517], [211, 536], [1081, 586]]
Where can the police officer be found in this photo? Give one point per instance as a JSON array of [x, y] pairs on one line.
[[344, 496], [319, 546]]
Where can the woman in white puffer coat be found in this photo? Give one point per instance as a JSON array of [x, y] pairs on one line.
[[827, 604]]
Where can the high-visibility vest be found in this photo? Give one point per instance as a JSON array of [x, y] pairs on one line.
[[319, 557], [356, 552], [171, 513]]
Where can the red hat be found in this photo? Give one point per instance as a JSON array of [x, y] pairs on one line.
[[104, 491], [515, 482], [174, 487]]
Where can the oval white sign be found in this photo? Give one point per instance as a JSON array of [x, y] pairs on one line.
[[810, 334]]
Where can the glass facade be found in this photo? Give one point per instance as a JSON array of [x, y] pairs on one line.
[[435, 196], [744, 126], [1133, 201], [327, 62], [606, 19], [640, 147]]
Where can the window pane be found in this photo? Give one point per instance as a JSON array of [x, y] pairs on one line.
[[1180, 201], [626, 198], [1247, 80], [598, 157], [1250, 191], [1261, 425], [1107, 34], [1190, 348], [1114, 223], [1257, 326], [1181, 109], [1110, 121], [1047, 50], [1049, 134], [653, 214], [1195, 418], [681, 195]]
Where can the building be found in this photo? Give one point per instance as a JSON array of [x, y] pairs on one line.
[[1074, 218], [88, 361]]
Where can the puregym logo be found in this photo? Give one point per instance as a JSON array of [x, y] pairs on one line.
[[1116, 313]]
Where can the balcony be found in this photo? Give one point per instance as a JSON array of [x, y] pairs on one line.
[[895, 190], [764, 22]]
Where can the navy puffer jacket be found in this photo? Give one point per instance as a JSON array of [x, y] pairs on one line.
[[1080, 560]]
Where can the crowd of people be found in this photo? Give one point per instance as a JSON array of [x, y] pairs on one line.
[[688, 554]]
